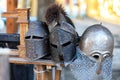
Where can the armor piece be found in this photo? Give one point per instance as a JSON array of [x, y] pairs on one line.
[[37, 42], [97, 43], [84, 68], [55, 14], [63, 43]]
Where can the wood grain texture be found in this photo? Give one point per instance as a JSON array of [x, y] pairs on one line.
[[41, 72], [11, 22], [58, 75]]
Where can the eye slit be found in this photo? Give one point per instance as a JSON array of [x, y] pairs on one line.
[[55, 46], [106, 55], [37, 37], [96, 56], [67, 43], [27, 37]]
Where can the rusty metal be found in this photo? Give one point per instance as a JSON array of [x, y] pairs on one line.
[[63, 43], [37, 42]]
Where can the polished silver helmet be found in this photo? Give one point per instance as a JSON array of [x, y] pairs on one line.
[[97, 43], [37, 40], [63, 43]]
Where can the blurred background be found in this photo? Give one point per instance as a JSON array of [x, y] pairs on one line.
[[84, 13], [101, 10], [105, 10]]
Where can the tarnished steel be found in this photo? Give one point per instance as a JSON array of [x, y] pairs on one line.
[[63, 43], [97, 42], [37, 42]]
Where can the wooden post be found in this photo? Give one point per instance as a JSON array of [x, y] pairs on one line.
[[49, 72], [58, 75], [41, 72], [23, 19], [4, 67], [11, 25]]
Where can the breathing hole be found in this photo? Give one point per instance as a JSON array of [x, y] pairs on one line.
[[27, 37], [37, 37], [61, 57], [65, 44], [55, 46]]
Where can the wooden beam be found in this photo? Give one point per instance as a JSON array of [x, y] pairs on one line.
[[13, 53], [10, 14], [11, 23], [17, 60]]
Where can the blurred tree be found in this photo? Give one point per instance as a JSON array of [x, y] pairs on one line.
[[42, 6]]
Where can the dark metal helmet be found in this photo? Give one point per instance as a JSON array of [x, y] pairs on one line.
[[63, 43], [37, 42], [97, 43]]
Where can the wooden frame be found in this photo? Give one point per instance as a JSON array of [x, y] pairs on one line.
[[18, 56]]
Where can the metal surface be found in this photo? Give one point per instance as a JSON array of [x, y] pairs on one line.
[[9, 37], [94, 55], [97, 43], [9, 40], [37, 43], [63, 43], [84, 68]]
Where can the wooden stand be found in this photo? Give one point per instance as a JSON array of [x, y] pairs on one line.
[[22, 16], [23, 20], [41, 70]]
